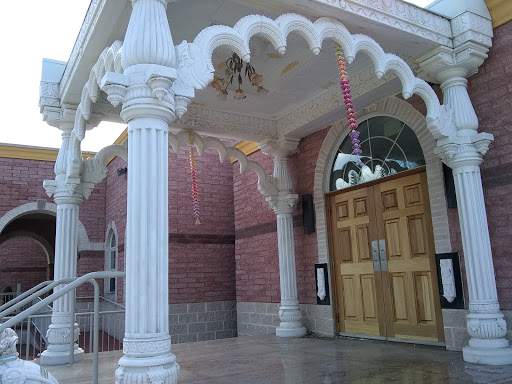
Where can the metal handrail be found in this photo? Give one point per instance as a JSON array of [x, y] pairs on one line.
[[35, 295], [24, 294], [75, 282]]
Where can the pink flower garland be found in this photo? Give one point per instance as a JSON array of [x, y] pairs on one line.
[[194, 180], [351, 112]]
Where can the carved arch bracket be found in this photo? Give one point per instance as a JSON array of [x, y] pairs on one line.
[[95, 168], [267, 184]]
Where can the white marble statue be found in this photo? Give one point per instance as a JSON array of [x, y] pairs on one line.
[[17, 371]]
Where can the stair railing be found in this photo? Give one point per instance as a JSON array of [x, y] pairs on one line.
[[72, 283]]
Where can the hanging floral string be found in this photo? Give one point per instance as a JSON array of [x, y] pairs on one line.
[[193, 177], [351, 112]]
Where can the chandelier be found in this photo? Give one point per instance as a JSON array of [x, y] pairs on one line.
[[234, 67]]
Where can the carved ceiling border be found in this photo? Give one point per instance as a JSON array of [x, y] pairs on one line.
[[400, 15]]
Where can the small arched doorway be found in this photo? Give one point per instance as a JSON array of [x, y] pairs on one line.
[[380, 237]]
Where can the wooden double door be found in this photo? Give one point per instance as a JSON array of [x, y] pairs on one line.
[[383, 260]]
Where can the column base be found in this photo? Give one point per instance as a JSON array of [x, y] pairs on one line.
[[487, 356], [49, 357], [298, 331], [161, 369]]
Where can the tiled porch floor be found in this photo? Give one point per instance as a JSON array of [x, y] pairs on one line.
[[265, 360]]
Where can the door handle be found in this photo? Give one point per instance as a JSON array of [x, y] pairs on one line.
[[383, 256], [375, 253]]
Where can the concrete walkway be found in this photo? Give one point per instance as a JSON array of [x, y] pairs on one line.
[[266, 360]]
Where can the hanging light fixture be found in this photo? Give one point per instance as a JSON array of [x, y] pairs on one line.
[[234, 67]]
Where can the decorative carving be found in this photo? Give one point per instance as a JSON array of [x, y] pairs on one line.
[[267, 185], [95, 168], [145, 45], [491, 307], [160, 86], [442, 125], [148, 347], [468, 56], [457, 151], [248, 127], [283, 204], [289, 315], [448, 280], [487, 328], [17, 371], [157, 375], [115, 93], [182, 103]]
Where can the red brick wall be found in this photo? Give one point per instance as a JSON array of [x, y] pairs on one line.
[[201, 257], [92, 213], [22, 260], [90, 261], [21, 182], [115, 210], [257, 262], [491, 93]]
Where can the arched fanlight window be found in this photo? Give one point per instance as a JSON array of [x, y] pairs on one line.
[[389, 146]]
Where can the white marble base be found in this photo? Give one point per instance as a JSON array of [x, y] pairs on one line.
[[49, 357], [158, 369], [291, 332], [500, 356]]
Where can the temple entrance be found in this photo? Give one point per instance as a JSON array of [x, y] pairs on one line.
[[383, 259]]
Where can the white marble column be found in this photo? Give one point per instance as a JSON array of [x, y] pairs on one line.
[[147, 343], [464, 154], [283, 205], [66, 246], [148, 106], [485, 322]]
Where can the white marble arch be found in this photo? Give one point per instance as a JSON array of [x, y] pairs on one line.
[[42, 206], [406, 113]]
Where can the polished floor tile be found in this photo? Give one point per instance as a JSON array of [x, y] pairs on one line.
[[271, 360]]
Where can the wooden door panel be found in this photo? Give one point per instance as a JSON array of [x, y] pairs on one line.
[[424, 298], [418, 242], [400, 307], [351, 233], [349, 289], [363, 242], [343, 239], [392, 232], [400, 302], [405, 216], [369, 303]]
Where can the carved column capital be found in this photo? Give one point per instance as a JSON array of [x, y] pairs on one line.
[[466, 59], [59, 117], [460, 151], [144, 44], [279, 148], [283, 204]]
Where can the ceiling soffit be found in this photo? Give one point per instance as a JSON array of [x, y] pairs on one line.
[[106, 21], [298, 95]]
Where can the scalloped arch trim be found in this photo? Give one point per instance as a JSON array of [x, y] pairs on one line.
[[277, 31], [267, 184]]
